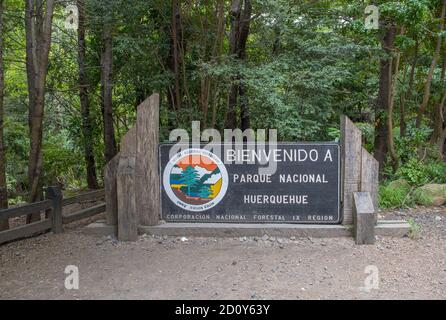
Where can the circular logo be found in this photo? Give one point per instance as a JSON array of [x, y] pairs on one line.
[[195, 180]]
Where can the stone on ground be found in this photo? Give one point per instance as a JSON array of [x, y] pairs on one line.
[[433, 194], [400, 183]]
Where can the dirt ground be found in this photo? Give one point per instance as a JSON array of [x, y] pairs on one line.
[[209, 268]]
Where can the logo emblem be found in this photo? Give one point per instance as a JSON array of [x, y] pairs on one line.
[[195, 180]]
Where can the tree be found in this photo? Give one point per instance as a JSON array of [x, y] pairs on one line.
[[175, 67], [84, 100], [107, 82], [38, 26], [428, 83], [3, 188], [240, 17], [384, 104], [189, 177]]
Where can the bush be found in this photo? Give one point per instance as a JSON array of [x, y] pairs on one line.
[[418, 173], [395, 195], [405, 190]]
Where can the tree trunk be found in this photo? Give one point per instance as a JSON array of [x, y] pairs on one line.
[[216, 52], [441, 142], [240, 27], [107, 86], [384, 96], [231, 118], [38, 27], [3, 188], [427, 85], [390, 140], [438, 136], [85, 105], [438, 118], [175, 67], [244, 33], [403, 127], [409, 93]]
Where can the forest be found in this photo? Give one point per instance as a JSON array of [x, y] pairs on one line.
[[73, 72]]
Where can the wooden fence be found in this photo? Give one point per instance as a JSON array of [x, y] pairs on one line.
[[54, 219]]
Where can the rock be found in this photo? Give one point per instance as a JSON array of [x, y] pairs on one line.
[[432, 194], [400, 183], [183, 239], [438, 218], [265, 237]]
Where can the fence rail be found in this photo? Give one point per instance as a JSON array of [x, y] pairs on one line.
[[84, 197], [54, 219], [82, 214]]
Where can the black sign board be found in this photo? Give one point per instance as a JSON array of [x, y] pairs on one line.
[[289, 183]]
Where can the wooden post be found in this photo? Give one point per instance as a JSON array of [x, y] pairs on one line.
[[110, 189], [370, 176], [363, 218], [147, 162], [125, 181], [54, 194], [127, 218], [351, 168]]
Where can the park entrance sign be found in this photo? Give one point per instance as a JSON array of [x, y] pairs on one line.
[[234, 184], [241, 189]]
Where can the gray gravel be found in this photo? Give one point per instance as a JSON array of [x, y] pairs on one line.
[[240, 268]]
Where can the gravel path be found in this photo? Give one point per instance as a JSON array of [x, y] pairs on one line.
[[208, 268]]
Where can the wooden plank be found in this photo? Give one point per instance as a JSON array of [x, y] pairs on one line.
[[351, 168], [370, 176], [25, 231], [26, 209], [110, 189], [85, 213], [128, 143], [93, 195], [147, 179], [127, 217]]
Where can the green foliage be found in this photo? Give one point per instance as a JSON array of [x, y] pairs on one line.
[[368, 135], [16, 146], [63, 163], [16, 200], [415, 229], [395, 196], [419, 173], [307, 62]]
